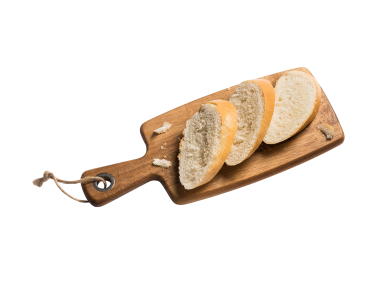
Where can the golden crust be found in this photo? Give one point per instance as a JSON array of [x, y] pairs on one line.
[[228, 130], [268, 94], [316, 107]]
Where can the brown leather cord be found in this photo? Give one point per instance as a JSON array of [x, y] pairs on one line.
[[48, 175]]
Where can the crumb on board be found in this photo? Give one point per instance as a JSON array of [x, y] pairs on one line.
[[317, 127], [165, 156], [327, 130], [163, 163], [164, 144], [162, 147], [164, 128], [228, 88]]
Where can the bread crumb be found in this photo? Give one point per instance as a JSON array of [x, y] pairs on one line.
[[164, 128], [162, 147], [228, 88], [162, 163], [164, 144], [327, 130], [165, 156], [317, 127]]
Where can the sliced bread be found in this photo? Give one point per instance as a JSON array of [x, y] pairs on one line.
[[297, 100], [208, 138], [254, 101]]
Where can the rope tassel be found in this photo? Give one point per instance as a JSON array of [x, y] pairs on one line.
[[48, 175]]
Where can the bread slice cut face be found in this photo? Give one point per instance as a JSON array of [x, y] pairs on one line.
[[207, 141], [297, 100], [254, 101]]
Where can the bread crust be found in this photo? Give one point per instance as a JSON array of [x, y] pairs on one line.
[[268, 94], [228, 115], [316, 106], [313, 114]]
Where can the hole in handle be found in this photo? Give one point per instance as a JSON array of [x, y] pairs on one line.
[[109, 180]]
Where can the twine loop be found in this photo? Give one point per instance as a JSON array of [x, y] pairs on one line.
[[48, 175]]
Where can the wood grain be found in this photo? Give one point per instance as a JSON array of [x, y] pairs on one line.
[[268, 160]]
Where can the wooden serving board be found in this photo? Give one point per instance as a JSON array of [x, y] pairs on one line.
[[268, 160]]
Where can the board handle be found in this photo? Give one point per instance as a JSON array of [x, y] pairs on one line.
[[123, 177]]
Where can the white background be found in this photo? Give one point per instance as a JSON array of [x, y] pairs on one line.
[[374, 139], [4, 140]]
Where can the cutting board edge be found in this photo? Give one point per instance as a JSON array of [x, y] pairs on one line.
[[284, 167], [98, 203]]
